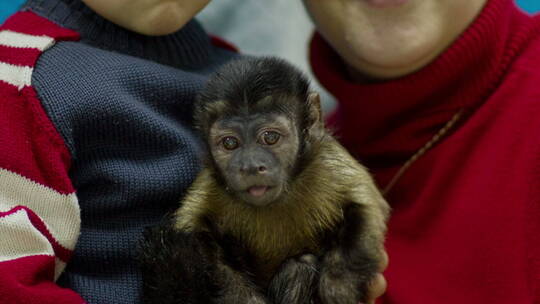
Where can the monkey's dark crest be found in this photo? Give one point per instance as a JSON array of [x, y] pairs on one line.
[[281, 213], [243, 83], [240, 87]]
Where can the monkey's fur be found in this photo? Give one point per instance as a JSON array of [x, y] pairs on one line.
[[314, 237]]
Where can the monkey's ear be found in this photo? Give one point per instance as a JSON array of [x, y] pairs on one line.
[[315, 118]]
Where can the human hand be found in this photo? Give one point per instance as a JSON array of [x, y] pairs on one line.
[[377, 287]]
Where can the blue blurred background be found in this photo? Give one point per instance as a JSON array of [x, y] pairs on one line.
[[7, 7], [530, 5]]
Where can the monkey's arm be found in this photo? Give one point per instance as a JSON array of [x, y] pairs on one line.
[[295, 282], [355, 253], [232, 274], [231, 283], [176, 266], [236, 288], [194, 221], [354, 257], [189, 267]]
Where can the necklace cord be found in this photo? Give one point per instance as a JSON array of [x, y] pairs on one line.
[[434, 140]]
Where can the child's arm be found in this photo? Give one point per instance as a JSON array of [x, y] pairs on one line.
[[39, 212]]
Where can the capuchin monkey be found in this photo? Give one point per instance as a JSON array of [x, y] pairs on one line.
[[281, 213]]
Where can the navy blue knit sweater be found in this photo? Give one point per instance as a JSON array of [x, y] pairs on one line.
[[122, 105]]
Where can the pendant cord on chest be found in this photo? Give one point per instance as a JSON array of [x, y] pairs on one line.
[[434, 140]]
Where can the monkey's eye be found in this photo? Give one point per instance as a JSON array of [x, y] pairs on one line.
[[270, 137], [230, 143]]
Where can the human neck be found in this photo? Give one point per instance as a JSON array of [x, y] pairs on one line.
[[395, 60], [408, 111]]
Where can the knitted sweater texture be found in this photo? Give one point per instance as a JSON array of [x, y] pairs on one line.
[[96, 143], [465, 226]]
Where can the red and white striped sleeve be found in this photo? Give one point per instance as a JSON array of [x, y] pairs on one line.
[[39, 212]]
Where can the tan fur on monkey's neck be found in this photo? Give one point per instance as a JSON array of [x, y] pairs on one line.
[[312, 204]]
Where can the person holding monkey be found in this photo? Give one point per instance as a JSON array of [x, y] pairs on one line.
[[440, 100], [96, 121], [95, 129]]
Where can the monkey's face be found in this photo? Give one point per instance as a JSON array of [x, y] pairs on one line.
[[255, 155]]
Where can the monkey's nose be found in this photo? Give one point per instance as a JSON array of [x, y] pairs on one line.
[[253, 170]]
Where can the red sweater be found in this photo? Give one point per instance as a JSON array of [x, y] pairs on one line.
[[466, 214]]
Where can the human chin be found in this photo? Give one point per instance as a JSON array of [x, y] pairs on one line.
[[166, 17], [385, 3], [391, 55]]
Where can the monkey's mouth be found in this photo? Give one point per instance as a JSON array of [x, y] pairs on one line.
[[259, 195], [258, 191]]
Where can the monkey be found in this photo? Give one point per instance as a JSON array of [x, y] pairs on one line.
[[280, 213]]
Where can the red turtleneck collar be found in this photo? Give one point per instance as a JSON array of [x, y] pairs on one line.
[[465, 225], [385, 123]]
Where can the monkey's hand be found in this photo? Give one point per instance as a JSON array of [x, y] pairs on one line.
[[177, 267], [190, 267], [343, 285], [295, 281], [350, 270]]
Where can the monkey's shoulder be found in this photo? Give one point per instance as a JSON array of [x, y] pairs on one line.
[[336, 172], [333, 166], [200, 203]]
